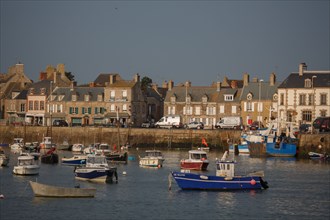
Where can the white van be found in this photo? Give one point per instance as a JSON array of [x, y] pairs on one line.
[[169, 121], [230, 122]]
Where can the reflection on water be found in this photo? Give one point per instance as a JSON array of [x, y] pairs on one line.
[[298, 189]]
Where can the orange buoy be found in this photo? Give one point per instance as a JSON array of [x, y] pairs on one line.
[[253, 182]]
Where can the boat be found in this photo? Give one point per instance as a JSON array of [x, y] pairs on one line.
[[241, 148], [78, 148], [4, 159], [117, 157], [197, 161], [152, 158], [102, 148], [318, 156], [47, 143], [26, 165], [96, 170], [50, 157], [225, 178], [32, 146], [76, 160], [43, 190], [64, 146], [17, 145]]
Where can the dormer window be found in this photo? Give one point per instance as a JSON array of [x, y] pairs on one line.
[[308, 83], [188, 99], [275, 97], [31, 92], [229, 97], [87, 98], [42, 91], [249, 96], [204, 99], [99, 98], [173, 99], [74, 98], [60, 97]]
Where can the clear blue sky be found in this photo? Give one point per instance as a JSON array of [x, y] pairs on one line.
[[199, 41]]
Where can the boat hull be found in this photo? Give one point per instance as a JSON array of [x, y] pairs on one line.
[[242, 149], [43, 190], [117, 158], [281, 150], [95, 174], [49, 159], [204, 182], [26, 170], [74, 161], [151, 162]]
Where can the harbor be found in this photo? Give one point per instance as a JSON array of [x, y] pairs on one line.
[[298, 189]]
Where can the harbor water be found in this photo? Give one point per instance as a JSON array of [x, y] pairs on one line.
[[298, 189]]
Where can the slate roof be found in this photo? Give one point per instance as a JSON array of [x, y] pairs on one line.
[[267, 91], [79, 91], [296, 81], [37, 86], [195, 92]]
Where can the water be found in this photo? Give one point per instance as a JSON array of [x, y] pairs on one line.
[[299, 189]]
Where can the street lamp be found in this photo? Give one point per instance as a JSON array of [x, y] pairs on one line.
[[259, 109], [313, 90]]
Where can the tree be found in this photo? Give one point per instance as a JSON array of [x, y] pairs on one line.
[[70, 76], [146, 83]]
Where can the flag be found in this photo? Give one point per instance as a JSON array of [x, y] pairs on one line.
[[204, 142]]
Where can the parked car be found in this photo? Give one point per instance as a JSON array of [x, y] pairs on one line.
[[195, 125], [305, 128], [322, 124], [255, 125], [147, 125], [60, 123]]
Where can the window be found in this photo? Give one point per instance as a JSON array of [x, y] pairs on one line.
[[89, 110], [323, 113], [99, 98], [323, 99], [173, 99], [42, 105], [171, 110], [124, 94], [36, 105], [74, 98], [124, 107], [204, 99], [310, 99], [112, 95], [83, 110], [197, 110], [302, 99], [210, 110], [260, 106], [229, 97], [86, 98], [249, 106], [308, 83], [112, 108], [282, 99], [307, 116], [222, 109], [22, 107], [30, 105], [76, 110], [234, 109], [188, 99]]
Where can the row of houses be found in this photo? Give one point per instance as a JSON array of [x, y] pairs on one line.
[[109, 99]]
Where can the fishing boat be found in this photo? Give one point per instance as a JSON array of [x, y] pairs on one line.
[[78, 148], [241, 148], [26, 165], [117, 157], [102, 148], [225, 178], [197, 161], [4, 159], [76, 160], [50, 157], [152, 158], [43, 190], [96, 170], [47, 143], [18, 144]]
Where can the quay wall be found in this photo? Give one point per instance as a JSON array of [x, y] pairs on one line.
[[147, 138]]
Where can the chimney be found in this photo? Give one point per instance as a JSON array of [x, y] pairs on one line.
[[302, 68], [272, 79], [170, 85], [92, 84], [137, 78], [255, 80], [42, 76], [61, 68], [154, 86], [218, 86], [73, 84], [165, 85], [233, 84], [246, 79], [188, 84], [112, 79], [19, 68]]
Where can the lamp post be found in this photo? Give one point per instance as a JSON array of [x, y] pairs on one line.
[[259, 109], [313, 112]]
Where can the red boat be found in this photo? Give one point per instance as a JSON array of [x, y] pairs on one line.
[[197, 161]]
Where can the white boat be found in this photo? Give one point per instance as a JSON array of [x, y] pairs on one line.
[[78, 148], [96, 170], [103, 148], [153, 158], [47, 143], [43, 190], [17, 145], [76, 160], [26, 165], [197, 161], [4, 159]]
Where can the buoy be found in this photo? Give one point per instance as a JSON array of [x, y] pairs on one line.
[[124, 173], [159, 166], [2, 196], [253, 182]]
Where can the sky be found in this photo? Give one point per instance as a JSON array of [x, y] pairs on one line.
[[197, 41]]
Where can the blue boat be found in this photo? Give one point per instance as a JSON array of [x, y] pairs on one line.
[[282, 147], [96, 170], [243, 148], [76, 160], [225, 179]]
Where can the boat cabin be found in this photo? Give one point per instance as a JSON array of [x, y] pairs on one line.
[[197, 155], [225, 168], [153, 153]]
